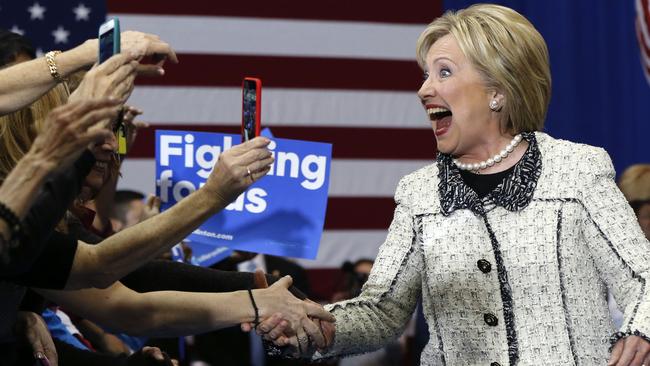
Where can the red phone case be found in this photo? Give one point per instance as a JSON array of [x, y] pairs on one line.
[[258, 105]]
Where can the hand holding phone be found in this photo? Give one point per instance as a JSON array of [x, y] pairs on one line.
[[251, 108], [109, 45], [109, 39]]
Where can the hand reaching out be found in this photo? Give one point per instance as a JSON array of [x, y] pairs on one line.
[[630, 351]]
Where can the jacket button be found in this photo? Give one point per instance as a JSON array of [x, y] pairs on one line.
[[495, 364], [490, 319], [484, 265]]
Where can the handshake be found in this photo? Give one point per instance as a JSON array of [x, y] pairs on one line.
[[291, 327]]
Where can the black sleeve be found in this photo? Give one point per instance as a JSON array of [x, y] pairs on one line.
[[58, 192], [164, 275], [52, 268]]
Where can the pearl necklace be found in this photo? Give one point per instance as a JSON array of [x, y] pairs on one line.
[[493, 160]]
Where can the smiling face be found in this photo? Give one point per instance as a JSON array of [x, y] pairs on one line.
[[457, 100], [101, 171]]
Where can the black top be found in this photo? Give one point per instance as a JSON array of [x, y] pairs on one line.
[[483, 184], [52, 267], [53, 200]]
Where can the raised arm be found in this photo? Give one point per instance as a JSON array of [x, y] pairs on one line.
[[101, 265], [69, 130], [25, 82]]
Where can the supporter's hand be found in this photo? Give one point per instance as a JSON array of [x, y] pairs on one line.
[[150, 356], [278, 300], [113, 78], [142, 45], [630, 351], [70, 128], [151, 207], [230, 177], [132, 126], [32, 327]]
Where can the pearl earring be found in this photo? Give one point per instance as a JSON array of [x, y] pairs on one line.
[[494, 105]]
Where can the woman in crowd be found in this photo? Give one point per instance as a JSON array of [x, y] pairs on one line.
[[511, 237], [635, 185]]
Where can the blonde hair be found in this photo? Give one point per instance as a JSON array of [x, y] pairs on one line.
[[19, 129], [509, 54], [635, 182]]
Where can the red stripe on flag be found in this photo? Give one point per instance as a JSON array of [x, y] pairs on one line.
[[348, 143], [645, 7], [359, 213], [645, 50], [410, 12], [291, 72]]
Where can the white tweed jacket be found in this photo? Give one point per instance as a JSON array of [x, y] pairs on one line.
[[519, 277]]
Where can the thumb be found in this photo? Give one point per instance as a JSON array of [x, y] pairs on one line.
[[285, 282], [259, 279], [616, 352]]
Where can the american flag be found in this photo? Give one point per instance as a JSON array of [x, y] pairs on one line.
[[341, 71], [643, 34], [51, 24]]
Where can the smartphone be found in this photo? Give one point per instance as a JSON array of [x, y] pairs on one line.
[[109, 45], [251, 108], [109, 39]]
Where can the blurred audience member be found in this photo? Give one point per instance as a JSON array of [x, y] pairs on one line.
[[635, 185], [130, 208]]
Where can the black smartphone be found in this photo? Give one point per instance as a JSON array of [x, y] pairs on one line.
[[251, 108]]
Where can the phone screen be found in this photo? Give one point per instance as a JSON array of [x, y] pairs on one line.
[[106, 45], [249, 110]]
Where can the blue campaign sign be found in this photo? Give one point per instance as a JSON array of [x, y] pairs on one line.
[[281, 214]]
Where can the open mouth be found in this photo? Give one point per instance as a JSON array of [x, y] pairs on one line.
[[441, 116], [100, 165], [438, 113]]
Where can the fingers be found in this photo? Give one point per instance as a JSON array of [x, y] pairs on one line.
[[260, 166], [256, 143], [149, 70], [246, 327], [638, 359], [270, 324], [317, 311], [285, 282], [73, 110], [161, 48], [153, 202], [153, 352], [81, 114], [259, 279], [626, 356], [113, 63], [98, 115], [283, 329], [314, 332]]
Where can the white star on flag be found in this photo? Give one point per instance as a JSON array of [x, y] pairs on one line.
[[81, 12], [60, 35], [36, 11], [17, 30]]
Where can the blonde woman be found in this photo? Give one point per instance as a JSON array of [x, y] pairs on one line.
[[511, 237]]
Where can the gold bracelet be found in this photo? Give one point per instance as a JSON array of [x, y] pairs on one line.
[[51, 64]]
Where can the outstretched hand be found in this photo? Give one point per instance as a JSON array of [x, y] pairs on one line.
[[630, 351], [280, 331]]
